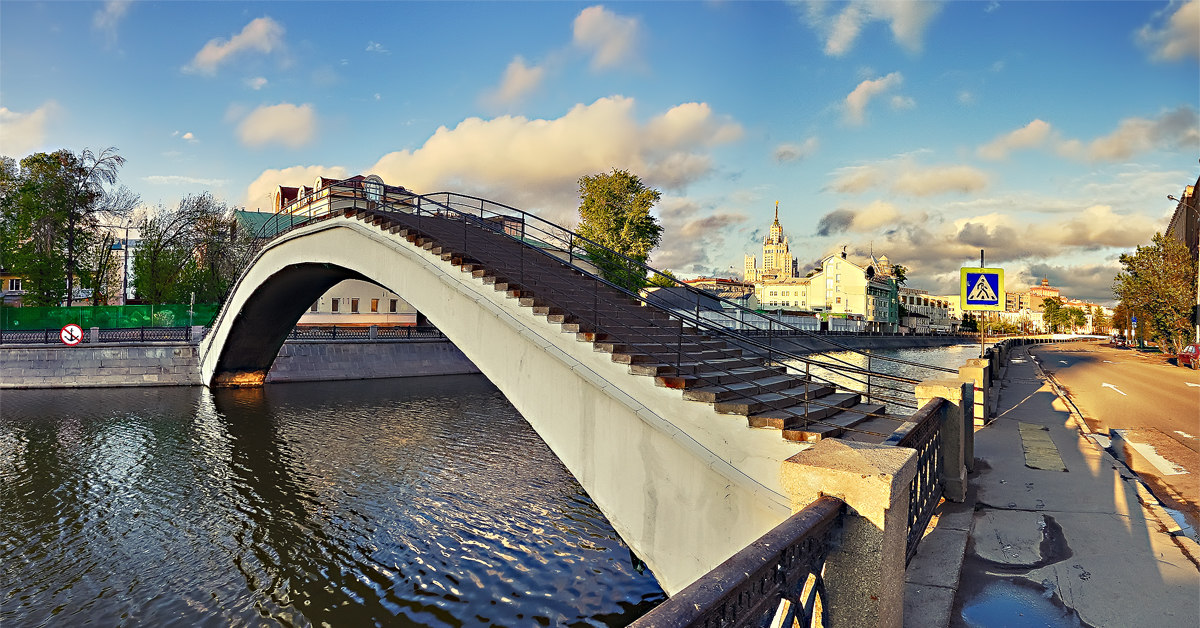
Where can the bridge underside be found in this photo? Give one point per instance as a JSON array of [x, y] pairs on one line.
[[268, 316]]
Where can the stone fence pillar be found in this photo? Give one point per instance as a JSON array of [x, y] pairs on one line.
[[93, 335], [976, 371], [373, 332], [957, 430], [864, 577]]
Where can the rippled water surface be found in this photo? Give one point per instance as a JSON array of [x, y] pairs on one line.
[[423, 501]]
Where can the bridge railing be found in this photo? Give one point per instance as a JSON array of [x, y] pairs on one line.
[[777, 580], [923, 433], [771, 339]]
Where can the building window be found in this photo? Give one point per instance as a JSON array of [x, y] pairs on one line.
[[314, 306], [374, 305], [354, 306], [14, 285], [333, 304], [393, 306], [839, 299]]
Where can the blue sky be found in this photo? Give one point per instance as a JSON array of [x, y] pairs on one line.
[[1048, 133]]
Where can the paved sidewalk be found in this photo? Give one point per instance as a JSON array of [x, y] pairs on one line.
[[1055, 531]]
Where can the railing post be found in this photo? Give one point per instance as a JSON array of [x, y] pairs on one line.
[[976, 371], [864, 577], [957, 432]]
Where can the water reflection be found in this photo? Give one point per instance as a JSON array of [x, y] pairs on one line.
[[392, 502]]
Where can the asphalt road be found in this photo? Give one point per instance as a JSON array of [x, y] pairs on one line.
[[1120, 388]]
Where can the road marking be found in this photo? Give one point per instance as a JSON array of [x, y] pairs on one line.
[[1064, 362], [1040, 452], [1114, 388], [1193, 385], [1109, 362], [1184, 434]]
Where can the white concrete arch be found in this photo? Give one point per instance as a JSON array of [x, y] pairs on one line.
[[684, 487]]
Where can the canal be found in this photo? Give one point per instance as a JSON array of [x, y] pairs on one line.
[[421, 501]]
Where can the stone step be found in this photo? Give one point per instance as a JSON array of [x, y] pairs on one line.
[[655, 369], [791, 399], [736, 390], [835, 425], [715, 377]]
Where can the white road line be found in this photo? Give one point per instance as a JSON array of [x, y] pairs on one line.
[[1184, 434], [1114, 388]]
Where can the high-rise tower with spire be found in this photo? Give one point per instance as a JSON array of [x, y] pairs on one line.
[[778, 262]]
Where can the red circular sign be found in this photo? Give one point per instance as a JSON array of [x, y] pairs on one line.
[[71, 334]]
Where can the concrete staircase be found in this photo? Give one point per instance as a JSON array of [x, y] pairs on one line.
[[705, 369]]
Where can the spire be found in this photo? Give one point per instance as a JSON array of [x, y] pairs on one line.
[[776, 212]]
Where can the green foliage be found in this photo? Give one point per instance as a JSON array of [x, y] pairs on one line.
[[900, 274], [193, 248], [663, 279], [1158, 285], [614, 212], [107, 316], [969, 323], [50, 214]]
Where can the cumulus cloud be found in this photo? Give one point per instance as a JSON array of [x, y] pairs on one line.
[[903, 102], [374, 46], [793, 152], [906, 177], [260, 192], [107, 18], [1173, 35], [691, 232], [907, 20], [23, 133], [868, 219], [256, 83], [1173, 130], [260, 35], [1033, 135], [611, 39], [856, 103], [287, 124], [186, 136], [535, 163], [518, 81]]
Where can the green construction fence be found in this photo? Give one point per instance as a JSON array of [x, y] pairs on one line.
[[107, 316]]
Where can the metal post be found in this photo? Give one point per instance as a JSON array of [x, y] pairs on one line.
[[979, 320]]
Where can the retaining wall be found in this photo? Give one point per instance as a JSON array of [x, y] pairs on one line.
[[177, 364]]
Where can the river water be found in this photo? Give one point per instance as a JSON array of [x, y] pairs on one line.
[[422, 501]]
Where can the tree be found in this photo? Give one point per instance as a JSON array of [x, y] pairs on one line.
[[1158, 285], [51, 208], [1100, 322], [1054, 315], [193, 248], [664, 279], [614, 213], [900, 274]]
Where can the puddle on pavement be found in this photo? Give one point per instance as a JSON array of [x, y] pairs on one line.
[[996, 595], [1019, 604]]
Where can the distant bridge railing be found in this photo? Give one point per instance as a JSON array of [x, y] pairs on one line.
[[775, 581], [768, 338], [115, 334]]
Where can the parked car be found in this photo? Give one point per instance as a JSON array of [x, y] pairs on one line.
[[1190, 356]]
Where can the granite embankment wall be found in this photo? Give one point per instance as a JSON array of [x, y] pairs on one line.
[[177, 364], [812, 344]]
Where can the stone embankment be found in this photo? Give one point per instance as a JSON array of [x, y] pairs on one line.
[[177, 363]]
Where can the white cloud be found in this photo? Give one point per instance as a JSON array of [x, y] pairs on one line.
[[612, 39], [519, 80], [285, 123], [1173, 130], [535, 163], [23, 133], [1033, 135], [965, 97], [791, 152], [906, 177], [907, 19], [857, 100], [1176, 39], [107, 18], [188, 136], [256, 83], [259, 193], [261, 34], [691, 234], [373, 46], [903, 102], [175, 179]]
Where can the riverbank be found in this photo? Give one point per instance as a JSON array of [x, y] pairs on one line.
[[178, 364]]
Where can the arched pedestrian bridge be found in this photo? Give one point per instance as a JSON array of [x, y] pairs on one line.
[[676, 432]]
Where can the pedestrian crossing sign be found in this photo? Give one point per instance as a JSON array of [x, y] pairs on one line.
[[981, 288]]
